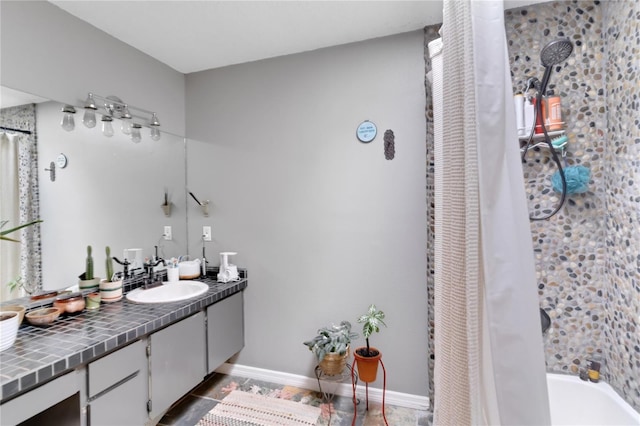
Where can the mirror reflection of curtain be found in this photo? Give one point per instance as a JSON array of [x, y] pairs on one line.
[[19, 166]]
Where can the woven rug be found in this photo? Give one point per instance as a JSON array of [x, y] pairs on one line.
[[248, 409]]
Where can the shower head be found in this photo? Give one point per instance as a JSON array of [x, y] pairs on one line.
[[556, 51]]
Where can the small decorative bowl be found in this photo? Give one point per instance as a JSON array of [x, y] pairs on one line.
[[44, 316], [44, 295], [14, 308], [189, 269], [71, 303], [8, 329]]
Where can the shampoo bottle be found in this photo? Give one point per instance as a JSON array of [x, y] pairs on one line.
[[528, 116], [518, 101]]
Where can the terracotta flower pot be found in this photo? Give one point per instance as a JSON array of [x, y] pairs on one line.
[[367, 365]]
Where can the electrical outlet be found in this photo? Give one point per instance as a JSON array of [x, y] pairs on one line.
[[206, 233], [167, 233]]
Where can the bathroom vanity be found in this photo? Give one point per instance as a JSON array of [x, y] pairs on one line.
[[123, 364]]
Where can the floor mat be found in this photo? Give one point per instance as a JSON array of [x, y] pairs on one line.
[[248, 409]]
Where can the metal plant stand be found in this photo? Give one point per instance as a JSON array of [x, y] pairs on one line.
[[354, 382], [327, 397]]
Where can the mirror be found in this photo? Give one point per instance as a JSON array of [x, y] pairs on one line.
[[110, 192]]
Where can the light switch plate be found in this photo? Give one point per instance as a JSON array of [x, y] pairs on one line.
[[206, 233]]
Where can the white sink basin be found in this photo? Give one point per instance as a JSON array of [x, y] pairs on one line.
[[168, 292]]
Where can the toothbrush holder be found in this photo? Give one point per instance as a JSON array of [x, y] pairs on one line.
[[205, 208], [166, 208]]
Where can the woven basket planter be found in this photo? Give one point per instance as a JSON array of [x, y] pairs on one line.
[[333, 363]]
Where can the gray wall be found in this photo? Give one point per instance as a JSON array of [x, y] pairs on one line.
[[50, 53], [323, 222]]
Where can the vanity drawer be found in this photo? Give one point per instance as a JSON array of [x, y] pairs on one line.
[[115, 367]]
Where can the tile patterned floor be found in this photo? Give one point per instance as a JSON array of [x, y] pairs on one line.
[[189, 410]]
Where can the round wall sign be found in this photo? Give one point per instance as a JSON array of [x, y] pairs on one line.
[[366, 131], [61, 161]]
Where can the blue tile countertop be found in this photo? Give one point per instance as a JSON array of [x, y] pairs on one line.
[[42, 353]]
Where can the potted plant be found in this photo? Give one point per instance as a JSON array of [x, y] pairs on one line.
[[8, 231], [367, 357], [331, 347], [17, 282], [87, 280], [110, 287]]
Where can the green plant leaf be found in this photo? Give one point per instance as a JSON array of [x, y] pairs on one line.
[[9, 231]]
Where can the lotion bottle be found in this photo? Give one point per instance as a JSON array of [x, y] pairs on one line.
[[553, 111]]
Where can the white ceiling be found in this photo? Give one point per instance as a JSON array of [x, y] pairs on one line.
[[192, 36], [10, 97]]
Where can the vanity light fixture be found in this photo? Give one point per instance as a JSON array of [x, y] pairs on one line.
[[90, 108], [126, 121], [68, 123], [107, 127], [132, 118], [135, 132], [155, 132]]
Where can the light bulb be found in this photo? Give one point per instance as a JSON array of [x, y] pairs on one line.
[[135, 133], [68, 123], [89, 118], [90, 108], [107, 127], [126, 126], [155, 133]]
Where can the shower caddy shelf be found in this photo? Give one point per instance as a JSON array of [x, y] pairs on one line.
[[540, 136], [539, 141]]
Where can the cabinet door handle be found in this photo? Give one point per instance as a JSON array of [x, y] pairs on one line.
[[113, 386]]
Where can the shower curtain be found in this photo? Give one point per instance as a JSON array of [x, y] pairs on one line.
[[27, 206], [9, 211], [489, 357]]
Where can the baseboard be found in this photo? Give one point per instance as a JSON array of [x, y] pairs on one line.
[[343, 389]]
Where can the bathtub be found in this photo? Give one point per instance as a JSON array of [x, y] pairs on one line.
[[576, 402]]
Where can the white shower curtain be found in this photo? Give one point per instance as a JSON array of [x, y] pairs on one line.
[[489, 357], [9, 211]]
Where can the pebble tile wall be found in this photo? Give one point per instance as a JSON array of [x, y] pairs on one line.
[[622, 183], [587, 256]]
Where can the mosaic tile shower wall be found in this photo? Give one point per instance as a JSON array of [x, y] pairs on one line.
[[430, 33], [586, 282], [622, 183], [569, 248]]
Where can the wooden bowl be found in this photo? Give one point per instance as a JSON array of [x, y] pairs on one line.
[[44, 316]]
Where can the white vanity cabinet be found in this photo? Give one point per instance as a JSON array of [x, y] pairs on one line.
[[55, 403], [225, 330], [177, 362], [136, 384], [118, 387]]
